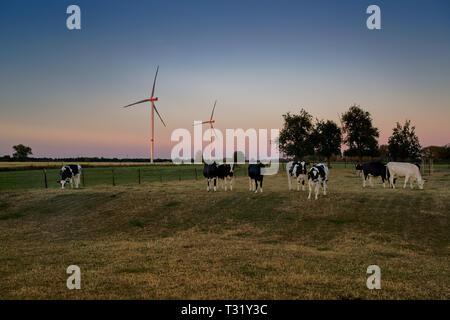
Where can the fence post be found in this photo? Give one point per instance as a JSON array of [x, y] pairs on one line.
[[113, 178], [139, 175], [45, 179]]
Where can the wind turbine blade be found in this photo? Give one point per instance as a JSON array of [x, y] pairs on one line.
[[142, 101], [154, 82], [200, 123], [159, 115], [214, 131], [212, 113]]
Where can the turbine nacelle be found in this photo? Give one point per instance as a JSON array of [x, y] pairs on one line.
[[154, 99]]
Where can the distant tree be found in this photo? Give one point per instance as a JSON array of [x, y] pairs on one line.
[[383, 151], [361, 135], [295, 137], [327, 138], [404, 143], [445, 152], [21, 152]]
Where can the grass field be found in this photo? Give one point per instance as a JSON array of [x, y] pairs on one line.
[[173, 240]]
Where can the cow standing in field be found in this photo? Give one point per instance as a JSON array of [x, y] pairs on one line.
[[68, 173], [318, 175], [254, 173], [210, 173], [374, 169], [297, 170], [225, 173], [410, 171]]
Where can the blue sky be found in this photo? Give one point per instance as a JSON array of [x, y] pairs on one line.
[[61, 90]]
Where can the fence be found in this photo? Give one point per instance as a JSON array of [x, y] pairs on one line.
[[95, 176]]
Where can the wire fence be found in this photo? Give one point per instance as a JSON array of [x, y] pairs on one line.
[[115, 176]]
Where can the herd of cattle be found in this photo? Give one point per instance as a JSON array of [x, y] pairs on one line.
[[316, 176]]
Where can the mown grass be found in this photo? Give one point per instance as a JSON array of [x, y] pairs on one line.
[[174, 240]]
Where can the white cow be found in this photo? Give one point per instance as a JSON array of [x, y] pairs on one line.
[[410, 171]]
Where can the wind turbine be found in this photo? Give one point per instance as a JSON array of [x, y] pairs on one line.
[[152, 123], [211, 122]]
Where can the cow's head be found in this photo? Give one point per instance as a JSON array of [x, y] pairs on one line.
[[65, 175], [303, 165], [420, 182], [313, 174]]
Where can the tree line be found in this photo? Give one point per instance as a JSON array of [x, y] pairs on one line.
[[302, 137]]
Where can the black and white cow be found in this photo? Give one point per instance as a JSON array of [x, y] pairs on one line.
[[298, 170], [359, 170], [375, 169], [254, 173], [318, 175], [225, 173], [210, 173], [68, 173]]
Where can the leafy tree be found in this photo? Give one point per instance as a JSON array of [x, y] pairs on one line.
[[295, 137], [361, 135], [327, 139], [21, 152], [404, 143]]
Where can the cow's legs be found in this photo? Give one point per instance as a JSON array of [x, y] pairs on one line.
[[249, 184], [298, 183], [71, 183], [215, 180], [406, 180], [207, 184], [310, 188], [391, 181], [231, 184], [364, 180], [256, 186], [317, 190], [63, 182], [77, 180], [289, 181], [303, 183], [260, 185], [384, 182]]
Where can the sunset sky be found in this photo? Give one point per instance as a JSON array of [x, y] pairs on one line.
[[61, 91]]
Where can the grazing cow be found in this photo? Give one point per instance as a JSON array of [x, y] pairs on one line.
[[359, 170], [68, 173], [254, 173], [210, 173], [318, 175], [225, 173], [299, 171], [375, 169], [410, 171]]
